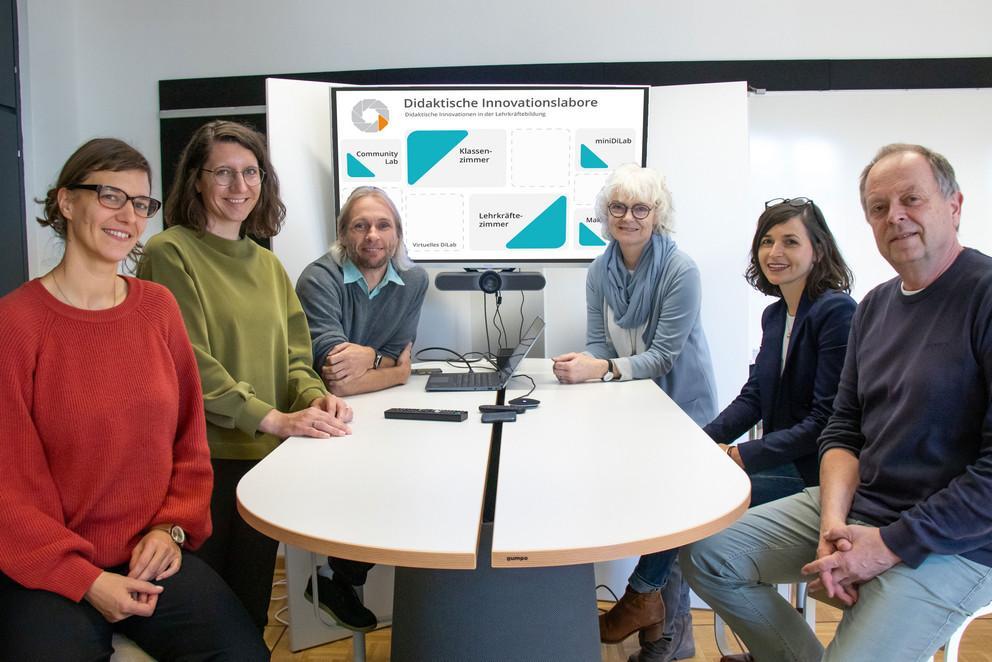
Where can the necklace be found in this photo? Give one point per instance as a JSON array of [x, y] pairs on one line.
[[66, 297]]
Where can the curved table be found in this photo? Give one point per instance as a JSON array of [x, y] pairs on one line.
[[411, 494]]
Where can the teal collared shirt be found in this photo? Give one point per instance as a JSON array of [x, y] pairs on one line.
[[351, 274]]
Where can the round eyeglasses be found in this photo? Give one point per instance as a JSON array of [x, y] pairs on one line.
[[224, 176], [798, 203], [112, 197], [639, 211]]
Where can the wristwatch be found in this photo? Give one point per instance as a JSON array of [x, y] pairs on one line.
[[378, 360], [175, 532], [608, 377]]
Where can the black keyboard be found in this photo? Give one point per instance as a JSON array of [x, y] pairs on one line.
[[477, 379]]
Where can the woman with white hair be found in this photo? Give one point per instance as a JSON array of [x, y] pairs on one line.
[[643, 300]]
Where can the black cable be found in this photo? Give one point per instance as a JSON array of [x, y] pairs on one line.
[[462, 357], [485, 320], [483, 356], [499, 300], [499, 335], [608, 589], [532, 384], [520, 333]]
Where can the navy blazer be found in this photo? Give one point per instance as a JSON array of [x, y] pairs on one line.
[[793, 406]]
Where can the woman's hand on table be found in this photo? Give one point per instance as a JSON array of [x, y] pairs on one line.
[[334, 405], [310, 422], [117, 597], [574, 367], [155, 557], [734, 454]]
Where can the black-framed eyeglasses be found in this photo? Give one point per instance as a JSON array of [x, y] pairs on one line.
[[112, 197], [224, 176], [798, 203], [639, 211]]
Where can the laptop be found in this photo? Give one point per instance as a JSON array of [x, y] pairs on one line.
[[488, 381]]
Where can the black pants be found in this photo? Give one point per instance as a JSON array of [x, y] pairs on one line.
[[197, 618], [351, 572], [243, 557]]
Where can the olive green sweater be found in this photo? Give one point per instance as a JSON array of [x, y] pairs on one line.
[[248, 331]]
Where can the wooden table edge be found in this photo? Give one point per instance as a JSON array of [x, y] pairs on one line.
[[385, 556], [555, 557]]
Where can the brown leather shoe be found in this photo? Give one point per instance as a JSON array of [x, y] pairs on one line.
[[737, 657], [632, 612]]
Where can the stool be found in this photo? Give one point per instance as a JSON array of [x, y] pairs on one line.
[[952, 645], [126, 650]]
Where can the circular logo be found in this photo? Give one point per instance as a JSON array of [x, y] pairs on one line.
[[370, 122]]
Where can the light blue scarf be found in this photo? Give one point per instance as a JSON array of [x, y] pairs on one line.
[[630, 295]]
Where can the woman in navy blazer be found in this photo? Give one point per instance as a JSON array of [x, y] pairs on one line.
[[804, 338], [791, 391]]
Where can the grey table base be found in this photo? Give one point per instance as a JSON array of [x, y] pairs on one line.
[[495, 613]]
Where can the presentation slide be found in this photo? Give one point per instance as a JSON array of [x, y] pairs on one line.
[[489, 174]]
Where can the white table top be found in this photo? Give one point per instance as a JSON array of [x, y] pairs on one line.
[[398, 492], [597, 472], [606, 471]]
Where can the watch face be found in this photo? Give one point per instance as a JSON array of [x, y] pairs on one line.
[[178, 535]]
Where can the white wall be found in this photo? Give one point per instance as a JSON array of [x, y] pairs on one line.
[[814, 144], [92, 68]]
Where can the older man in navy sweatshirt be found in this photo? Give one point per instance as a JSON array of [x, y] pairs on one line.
[[900, 530]]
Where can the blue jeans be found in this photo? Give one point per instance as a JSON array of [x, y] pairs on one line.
[[902, 614], [775, 483]]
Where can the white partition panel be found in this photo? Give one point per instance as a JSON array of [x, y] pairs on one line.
[[299, 132], [697, 136]]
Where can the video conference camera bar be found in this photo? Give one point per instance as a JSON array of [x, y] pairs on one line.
[[489, 280]]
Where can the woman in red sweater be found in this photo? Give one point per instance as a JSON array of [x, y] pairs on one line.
[[105, 460]]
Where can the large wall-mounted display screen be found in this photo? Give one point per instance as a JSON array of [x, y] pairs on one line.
[[489, 174]]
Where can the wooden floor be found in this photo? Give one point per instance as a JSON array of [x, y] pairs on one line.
[[976, 646]]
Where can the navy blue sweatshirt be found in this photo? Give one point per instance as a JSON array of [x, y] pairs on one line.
[[913, 405]]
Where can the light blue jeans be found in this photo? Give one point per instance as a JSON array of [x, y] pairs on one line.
[[903, 614]]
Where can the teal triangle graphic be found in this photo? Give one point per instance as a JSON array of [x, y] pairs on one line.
[[545, 231], [588, 158], [425, 148], [358, 169], [589, 238]]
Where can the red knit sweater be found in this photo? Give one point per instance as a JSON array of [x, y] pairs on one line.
[[103, 434]]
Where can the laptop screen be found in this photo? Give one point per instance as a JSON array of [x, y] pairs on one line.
[[527, 341]]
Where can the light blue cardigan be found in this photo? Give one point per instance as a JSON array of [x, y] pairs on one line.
[[678, 358]]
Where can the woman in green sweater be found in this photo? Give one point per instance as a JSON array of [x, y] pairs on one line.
[[248, 331]]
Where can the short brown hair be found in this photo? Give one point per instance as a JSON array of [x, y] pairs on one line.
[[184, 206], [829, 271], [98, 154]]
